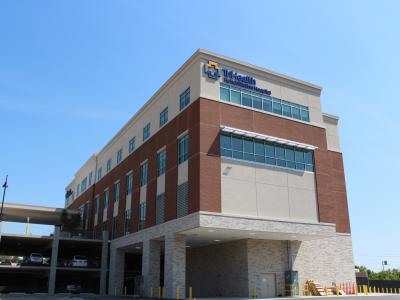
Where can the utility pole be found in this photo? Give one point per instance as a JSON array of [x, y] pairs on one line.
[[5, 186]]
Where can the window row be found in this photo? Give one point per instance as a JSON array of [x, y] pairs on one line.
[[181, 211], [258, 101], [183, 154], [259, 151], [184, 100]]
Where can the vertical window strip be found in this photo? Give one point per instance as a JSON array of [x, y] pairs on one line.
[[129, 181], [183, 200], [160, 209], [119, 156], [161, 162], [164, 116], [117, 188], [146, 132], [99, 174], [106, 199], [142, 215], [132, 144], [184, 99], [144, 173], [127, 224], [183, 149]]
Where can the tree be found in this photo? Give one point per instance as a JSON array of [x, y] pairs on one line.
[[390, 274]]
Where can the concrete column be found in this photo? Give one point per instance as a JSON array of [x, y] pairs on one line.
[[151, 266], [53, 262], [117, 268], [104, 264], [175, 266]]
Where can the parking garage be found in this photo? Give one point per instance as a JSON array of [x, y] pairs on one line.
[[54, 263]]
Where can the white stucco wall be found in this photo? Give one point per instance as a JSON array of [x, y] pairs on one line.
[[332, 132], [280, 87], [266, 191]]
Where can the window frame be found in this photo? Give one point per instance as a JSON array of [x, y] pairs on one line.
[[183, 145], [119, 155], [184, 99], [132, 145], [163, 117], [161, 161], [146, 132], [275, 154], [144, 173], [277, 106], [109, 165]]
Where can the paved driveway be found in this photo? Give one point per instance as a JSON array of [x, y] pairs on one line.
[[95, 297]]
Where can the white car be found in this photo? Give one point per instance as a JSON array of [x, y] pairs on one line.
[[35, 259], [79, 261]]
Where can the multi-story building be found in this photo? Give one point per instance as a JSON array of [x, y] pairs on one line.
[[233, 175]]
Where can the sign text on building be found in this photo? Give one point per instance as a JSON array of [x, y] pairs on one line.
[[244, 81]]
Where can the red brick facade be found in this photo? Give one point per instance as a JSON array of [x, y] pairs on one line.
[[203, 119]]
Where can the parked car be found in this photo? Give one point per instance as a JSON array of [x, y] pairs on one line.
[[6, 262], [73, 288], [35, 259], [79, 261]]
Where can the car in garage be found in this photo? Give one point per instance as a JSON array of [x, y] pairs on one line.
[[34, 259], [73, 288], [79, 261]]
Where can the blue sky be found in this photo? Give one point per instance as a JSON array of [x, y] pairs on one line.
[[73, 72]]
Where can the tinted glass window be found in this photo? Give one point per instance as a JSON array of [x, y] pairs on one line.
[[280, 152], [289, 154], [237, 154], [291, 164], [257, 103], [280, 163], [259, 148], [277, 108], [286, 110], [296, 112], [225, 141], [305, 115], [248, 146], [235, 97], [269, 150], [271, 153], [299, 156], [267, 104], [225, 94], [308, 157], [237, 144], [246, 100]]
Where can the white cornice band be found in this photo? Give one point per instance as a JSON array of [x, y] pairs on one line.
[[268, 138]]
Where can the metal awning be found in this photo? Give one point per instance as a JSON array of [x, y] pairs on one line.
[[264, 137]]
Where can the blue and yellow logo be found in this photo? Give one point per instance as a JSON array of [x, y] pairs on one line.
[[212, 69]]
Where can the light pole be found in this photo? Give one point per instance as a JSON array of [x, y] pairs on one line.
[[5, 186], [384, 263]]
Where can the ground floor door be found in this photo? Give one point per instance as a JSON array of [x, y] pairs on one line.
[[267, 285]]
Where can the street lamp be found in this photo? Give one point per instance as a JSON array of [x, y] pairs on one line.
[[384, 263], [5, 186]]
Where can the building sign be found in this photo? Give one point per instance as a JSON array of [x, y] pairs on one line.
[[213, 70], [244, 81]]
